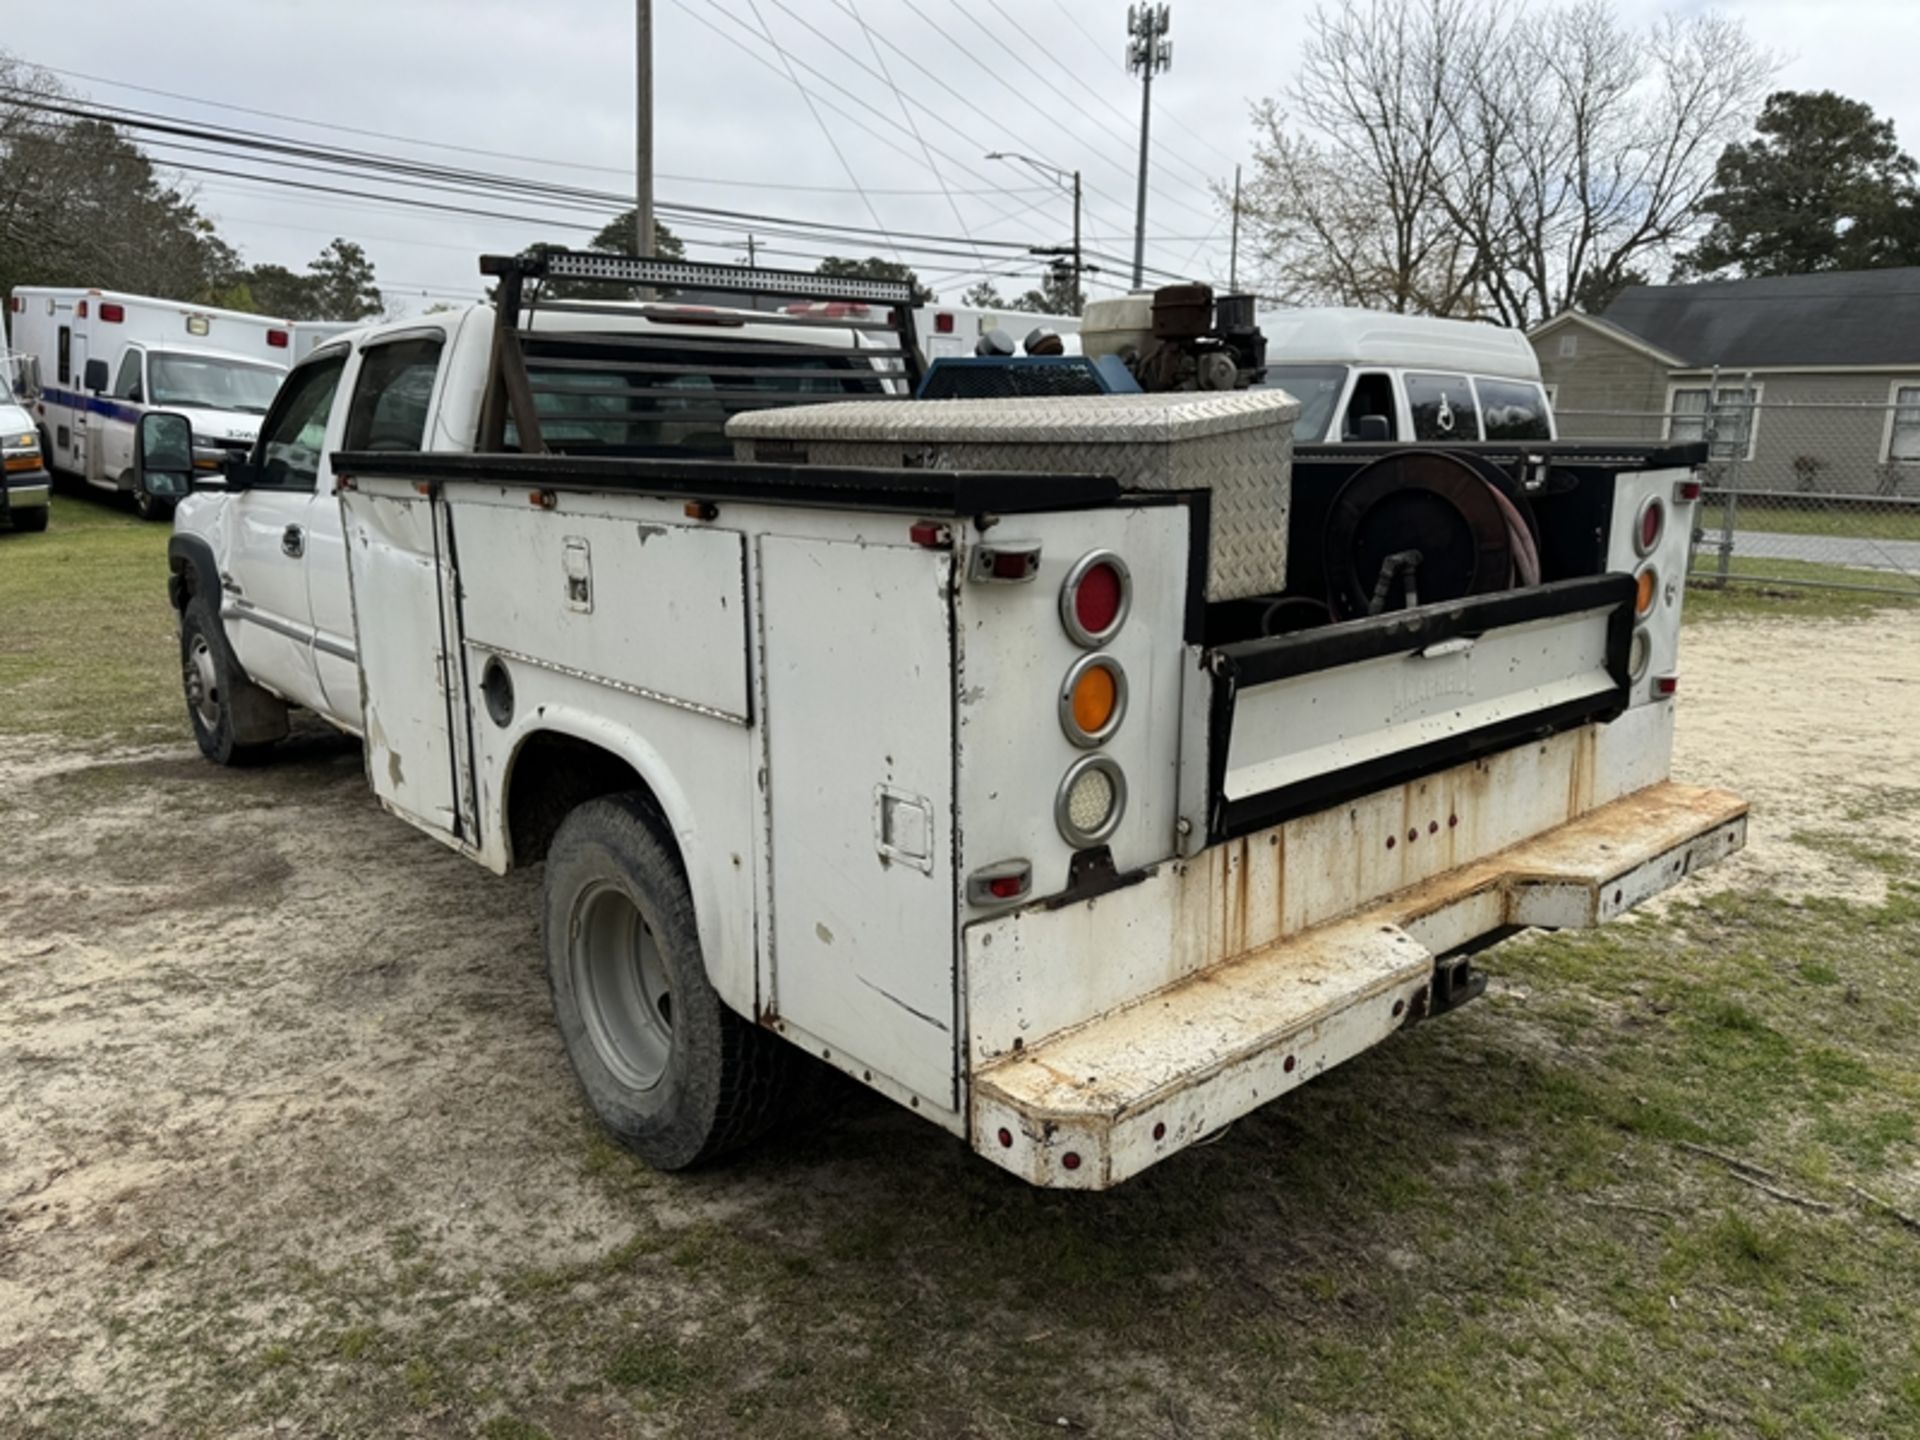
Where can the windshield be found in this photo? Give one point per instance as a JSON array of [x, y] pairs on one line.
[[1316, 387], [206, 382]]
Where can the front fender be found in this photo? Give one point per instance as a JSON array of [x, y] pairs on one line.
[[191, 570]]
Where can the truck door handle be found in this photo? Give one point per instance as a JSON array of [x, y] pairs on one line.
[[292, 542]]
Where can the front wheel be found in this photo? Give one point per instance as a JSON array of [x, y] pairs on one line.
[[234, 720], [30, 521], [675, 1075]]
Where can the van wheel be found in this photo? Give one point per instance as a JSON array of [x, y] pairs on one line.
[[675, 1075], [234, 720]]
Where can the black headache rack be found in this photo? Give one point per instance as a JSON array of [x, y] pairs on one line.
[[620, 390]]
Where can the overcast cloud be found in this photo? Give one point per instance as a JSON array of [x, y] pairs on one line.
[[552, 80]]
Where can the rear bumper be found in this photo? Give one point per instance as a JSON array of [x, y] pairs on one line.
[[1090, 1107]]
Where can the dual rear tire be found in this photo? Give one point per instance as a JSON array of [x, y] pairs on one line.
[[673, 1074]]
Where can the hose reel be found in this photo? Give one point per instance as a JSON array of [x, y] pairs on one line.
[[1422, 527]]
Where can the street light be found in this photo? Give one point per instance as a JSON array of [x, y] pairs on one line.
[[1067, 180]]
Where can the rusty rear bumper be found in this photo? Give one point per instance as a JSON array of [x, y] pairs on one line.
[[1101, 1102]]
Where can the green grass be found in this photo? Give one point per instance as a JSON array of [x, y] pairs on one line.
[[88, 649], [1893, 522], [1754, 590]]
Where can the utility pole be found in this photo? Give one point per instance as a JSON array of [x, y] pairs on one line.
[[1148, 50], [643, 129], [1233, 249], [1059, 177]]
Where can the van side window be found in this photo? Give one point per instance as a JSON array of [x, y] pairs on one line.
[[1513, 409], [1442, 407], [1372, 395], [295, 433], [66, 354], [126, 385], [390, 399]]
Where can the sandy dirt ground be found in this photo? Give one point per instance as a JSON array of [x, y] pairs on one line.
[[249, 1023]]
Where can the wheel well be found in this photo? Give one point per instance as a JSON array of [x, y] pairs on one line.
[[554, 773]]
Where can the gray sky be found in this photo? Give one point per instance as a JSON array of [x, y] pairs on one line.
[[550, 81]]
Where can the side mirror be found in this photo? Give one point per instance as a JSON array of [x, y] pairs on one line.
[[94, 378], [1373, 430], [163, 453], [237, 472]]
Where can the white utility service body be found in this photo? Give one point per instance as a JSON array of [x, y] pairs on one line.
[[850, 691], [219, 368]]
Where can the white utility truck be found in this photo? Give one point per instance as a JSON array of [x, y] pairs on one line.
[[104, 359], [1081, 773]]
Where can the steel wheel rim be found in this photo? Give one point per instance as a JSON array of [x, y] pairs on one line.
[[203, 683], [621, 984]]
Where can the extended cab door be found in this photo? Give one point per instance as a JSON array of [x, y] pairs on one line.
[[392, 392], [270, 621]]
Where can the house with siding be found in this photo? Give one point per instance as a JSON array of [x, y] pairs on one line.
[[1803, 383]]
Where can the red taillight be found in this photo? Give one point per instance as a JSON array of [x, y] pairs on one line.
[[1687, 491], [1648, 527], [1002, 881], [1665, 686], [80, 310], [943, 323], [930, 534], [278, 339], [18, 304], [1094, 600], [1096, 603], [1005, 887], [111, 313]]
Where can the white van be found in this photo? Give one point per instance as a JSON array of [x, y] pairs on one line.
[[105, 358], [1374, 375]]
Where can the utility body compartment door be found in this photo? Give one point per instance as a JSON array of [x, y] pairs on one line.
[[859, 744]]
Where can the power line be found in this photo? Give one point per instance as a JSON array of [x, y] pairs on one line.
[[786, 62]]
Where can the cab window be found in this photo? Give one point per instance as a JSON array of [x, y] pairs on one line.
[[126, 385], [390, 398], [1513, 410], [1442, 407], [294, 437]]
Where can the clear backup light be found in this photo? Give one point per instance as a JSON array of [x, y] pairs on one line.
[[1092, 798], [1639, 654]]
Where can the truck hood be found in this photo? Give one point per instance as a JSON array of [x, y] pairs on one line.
[[15, 421]]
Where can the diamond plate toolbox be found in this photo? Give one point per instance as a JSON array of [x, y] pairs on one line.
[[1238, 445]]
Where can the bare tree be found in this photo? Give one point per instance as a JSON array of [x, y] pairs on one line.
[[1481, 157]]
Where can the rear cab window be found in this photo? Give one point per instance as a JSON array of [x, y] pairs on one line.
[[659, 398], [393, 394], [1442, 407]]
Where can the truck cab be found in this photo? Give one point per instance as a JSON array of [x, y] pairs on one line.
[[1365, 375]]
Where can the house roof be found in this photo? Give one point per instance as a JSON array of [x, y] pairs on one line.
[[1610, 330], [1837, 318]]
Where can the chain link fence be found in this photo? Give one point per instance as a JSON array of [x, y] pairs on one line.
[[1816, 493]]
